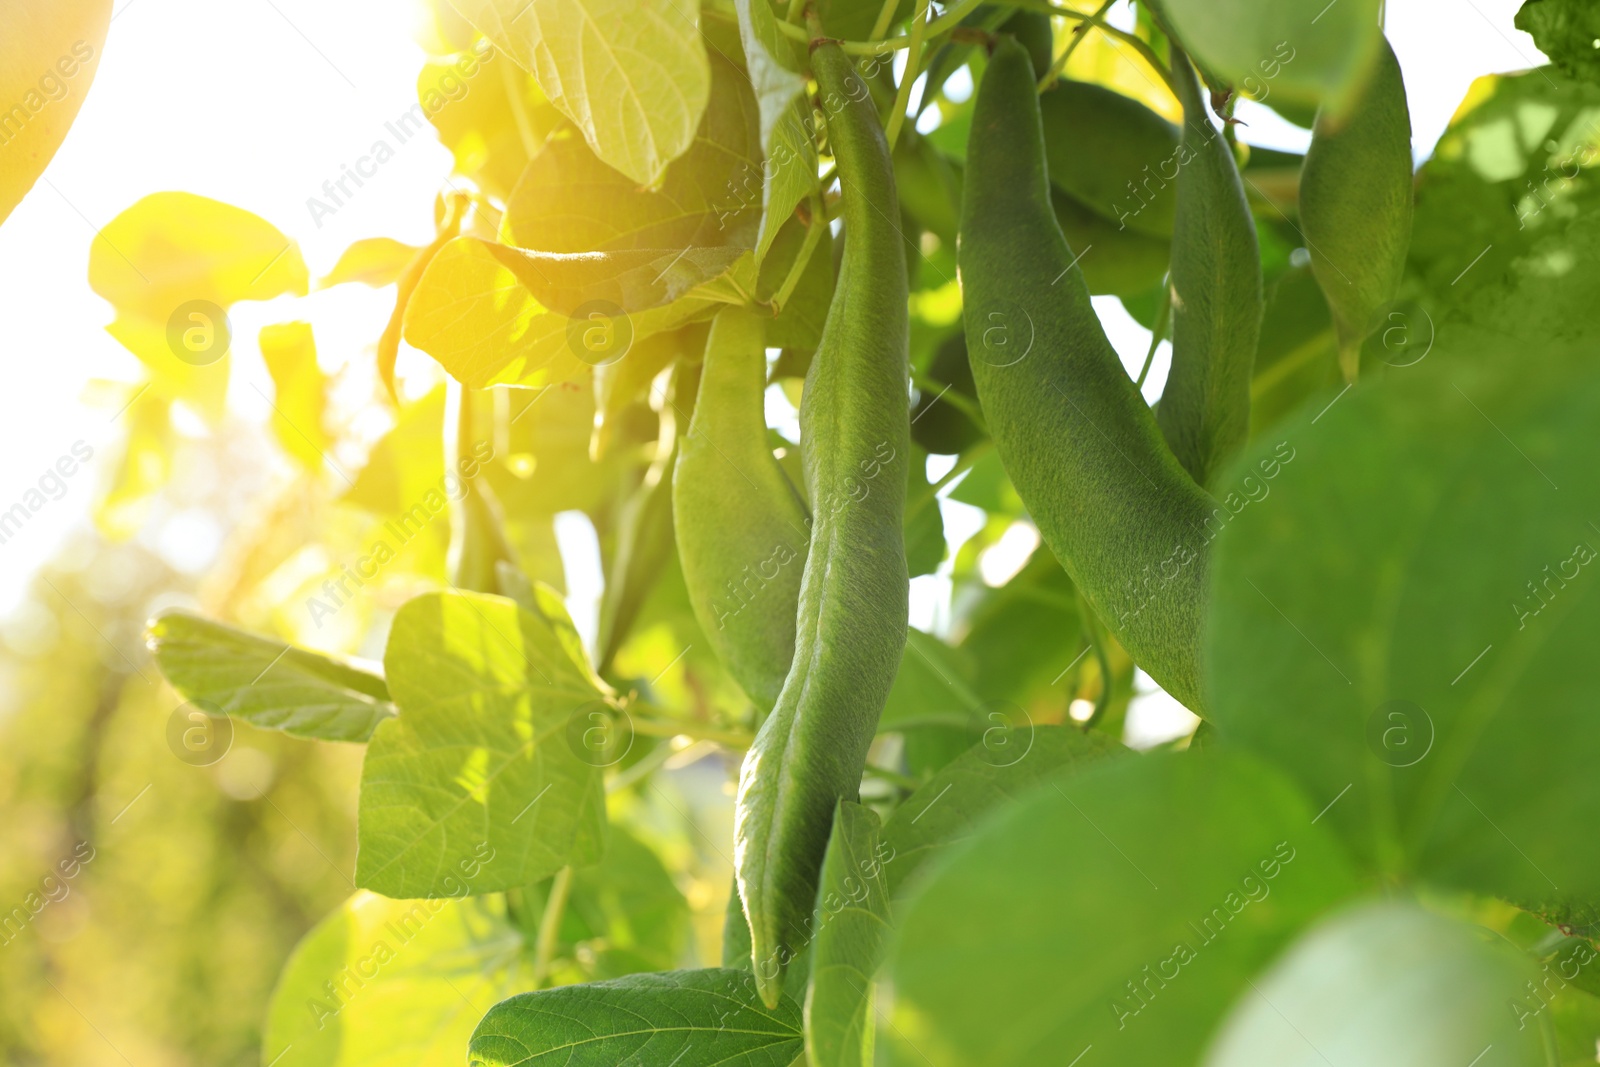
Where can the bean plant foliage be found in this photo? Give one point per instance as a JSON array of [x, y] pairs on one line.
[[1354, 535]]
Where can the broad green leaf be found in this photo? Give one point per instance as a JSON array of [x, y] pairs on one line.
[[406, 462], [1386, 984], [627, 914], [1122, 910], [1112, 154], [489, 113], [1012, 758], [569, 200], [931, 685], [471, 314], [1516, 165], [48, 60], [1304, 52], [1001, 632], [477, 783], [1565, 30], [290, 352], [628, 280], [374, 261], [266, 682], [392, 983], [1420, 700], [171, 265], [590, 233], [790, 154], [710, 1018], [852, 923], [632, 75]]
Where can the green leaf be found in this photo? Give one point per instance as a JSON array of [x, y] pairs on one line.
[[374, 261], [477, 783], [594, 234], [1012, 758], [790, 153], [1304, 52], [627, 913], [1123, 910], [266, 682], [470, 312], [174, 256], [1112, 154], [632, 75], [931, 685], [1515, 167], [406, 462], [380, 983], [141, 470], [627, 280], [490, 115], [1565, 31], [1387, 984], [290, 352], [852, 925], [1003, 629], [1426, 697], [47, 62], [710, 1018]]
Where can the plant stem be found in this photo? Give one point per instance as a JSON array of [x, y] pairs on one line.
[[963, 465], [1138, 44], [880, 25], [1091, 630], [550, 926], [1163, 316], [939, 26], [819, 222], [895, 778], [1078, 34], [670, 727], [958, 400], [902, 95], [796, 8]]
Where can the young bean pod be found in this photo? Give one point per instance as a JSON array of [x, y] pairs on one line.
[[1216, 295], [1355, 205], [851, 624], [1078, 441], [742, 529]]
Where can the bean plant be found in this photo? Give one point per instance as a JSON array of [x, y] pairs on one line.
[[1350, 533]]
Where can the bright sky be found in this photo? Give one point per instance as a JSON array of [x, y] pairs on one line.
[[257, 103]]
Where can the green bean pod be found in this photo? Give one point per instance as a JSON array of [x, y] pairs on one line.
[[1080, 444], [1355, 205], [742, 529], [851, 623], [1216, 295]]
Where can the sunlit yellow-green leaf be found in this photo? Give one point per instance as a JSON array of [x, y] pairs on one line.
[[471, 313], [393, 983], [144, 467], [172, 265], [49, 53], [632, 75], [488, 112], [479, 785], [374, 261], [290, 352]]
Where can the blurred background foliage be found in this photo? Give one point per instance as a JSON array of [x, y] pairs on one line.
[[203, 879]]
